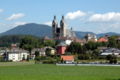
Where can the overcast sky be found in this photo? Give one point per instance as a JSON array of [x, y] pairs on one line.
[[97, 16]]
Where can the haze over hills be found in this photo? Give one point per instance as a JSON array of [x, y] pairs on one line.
[[41, 30]]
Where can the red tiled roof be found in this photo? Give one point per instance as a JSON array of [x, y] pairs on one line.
[[103, 39], [67, 58]]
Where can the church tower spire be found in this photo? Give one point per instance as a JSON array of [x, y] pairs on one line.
[[63, 27], [54, 27]]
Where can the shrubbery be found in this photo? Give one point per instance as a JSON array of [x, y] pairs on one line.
[[112, 59], [46, 60], [84, 56]]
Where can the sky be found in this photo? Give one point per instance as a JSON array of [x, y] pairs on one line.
[[98, 16]]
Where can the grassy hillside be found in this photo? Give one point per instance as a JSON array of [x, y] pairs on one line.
[[52, 72]]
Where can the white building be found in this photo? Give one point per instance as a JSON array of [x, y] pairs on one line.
[[110, 51], [17, 55], [91, 37]]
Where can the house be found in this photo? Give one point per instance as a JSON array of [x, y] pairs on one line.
[[81, 41], [40, 50], [91, 37], [110, 51], [61, 48], [16, 54], [50, 51], [2, 52], [103, 39], [67, 59]]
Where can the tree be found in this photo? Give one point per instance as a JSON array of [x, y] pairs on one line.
[[29, 42], [91, 45], [36, 54], [112, 59], [23, 58], [48, 50], [50, 43], [112, 42], [84, 56], [75, 47]]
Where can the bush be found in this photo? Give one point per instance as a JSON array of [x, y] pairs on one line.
[[112, 59], [84, 56], [1, 59], [49, 61], [46, 60]]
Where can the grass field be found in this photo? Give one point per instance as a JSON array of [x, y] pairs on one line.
[[53, 72]]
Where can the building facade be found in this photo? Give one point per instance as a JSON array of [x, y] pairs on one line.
[[61, 31]]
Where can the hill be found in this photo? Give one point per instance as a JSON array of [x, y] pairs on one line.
[[38, 30], [41, 30]]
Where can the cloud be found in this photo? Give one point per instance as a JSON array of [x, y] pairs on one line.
[[111, 16], [19, 23], [1, 10], [75, 15], [15, 16], [49, 23]]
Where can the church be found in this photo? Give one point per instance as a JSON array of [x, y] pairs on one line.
[[61, 31]]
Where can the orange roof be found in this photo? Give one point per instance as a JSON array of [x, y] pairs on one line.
[[67, 58], [103, 39]]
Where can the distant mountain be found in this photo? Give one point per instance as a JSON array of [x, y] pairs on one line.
[[38, 30], [81, 34], [41, 30], [109, 34]]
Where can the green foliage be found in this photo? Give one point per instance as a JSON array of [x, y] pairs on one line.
[[75, 48], [112, 59], [84, 56], [48, 51], [6, 41], [29, 42], [112, 42], [28, 58], [49, 43], [46, 60], [1, 59], [23, 57], [95, 54], [36, 55], [91, 45]]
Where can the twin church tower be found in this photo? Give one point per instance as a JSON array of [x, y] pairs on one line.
[[59, 31]]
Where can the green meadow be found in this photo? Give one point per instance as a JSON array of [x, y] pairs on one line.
[[53, 72]]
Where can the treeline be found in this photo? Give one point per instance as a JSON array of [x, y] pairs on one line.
[[6, 41], [30, 42], [24, 41]]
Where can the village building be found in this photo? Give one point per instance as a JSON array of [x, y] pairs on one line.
[[91, 37], [16, 54], [103, 39], [68, 59], [81, 41], [61, 48], [110, 51], [42, 51]]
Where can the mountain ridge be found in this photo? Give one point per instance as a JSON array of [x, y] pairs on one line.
[[41, 30]]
